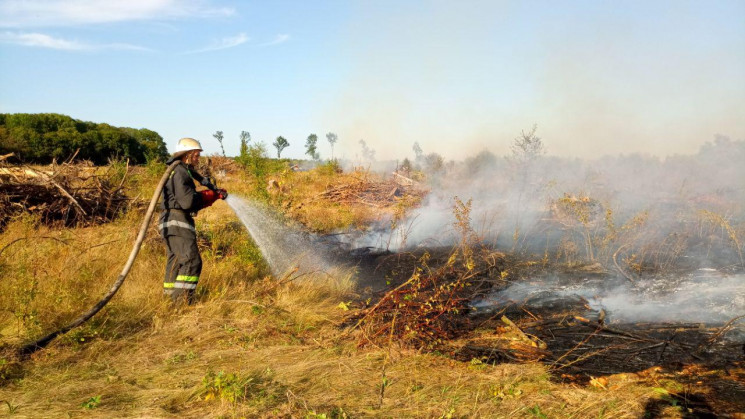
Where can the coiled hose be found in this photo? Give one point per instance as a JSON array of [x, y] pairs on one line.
[[32, 347]]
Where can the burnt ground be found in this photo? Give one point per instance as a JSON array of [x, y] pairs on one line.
[[578, 342]]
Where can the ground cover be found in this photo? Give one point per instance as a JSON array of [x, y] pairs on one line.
[[258, 346]]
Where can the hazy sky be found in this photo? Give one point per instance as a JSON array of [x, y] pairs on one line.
[[597, 77]]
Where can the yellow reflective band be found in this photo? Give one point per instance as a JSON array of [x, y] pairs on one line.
[[168, 285], [186, 278]]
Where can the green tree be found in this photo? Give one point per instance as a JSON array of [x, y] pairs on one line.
[[219, 137], [41, 138], [255, 159], [243, 153], [332, 138], [310, 146], [280, 144]]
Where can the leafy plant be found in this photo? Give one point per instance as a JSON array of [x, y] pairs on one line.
[[12, 408], [536, 412], [91, 403], [235, 388]]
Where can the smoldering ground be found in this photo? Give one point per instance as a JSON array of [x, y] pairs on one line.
[[673, 226]]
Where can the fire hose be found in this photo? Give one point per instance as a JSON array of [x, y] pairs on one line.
[[32, 347]]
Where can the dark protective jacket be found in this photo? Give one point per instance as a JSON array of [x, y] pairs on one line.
[[180, 202]]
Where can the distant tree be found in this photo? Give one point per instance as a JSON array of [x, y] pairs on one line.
[[368, 154], [405, 165], [243, 153], [332, 138], [434, 163], [310, 146], [483, 161], [418, 153], [280, 144], [527, 148], [218, 136]]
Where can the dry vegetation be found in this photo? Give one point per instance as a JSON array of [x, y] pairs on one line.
[[256, 347]]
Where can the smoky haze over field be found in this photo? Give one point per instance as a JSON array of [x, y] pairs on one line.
[[665, 210], [610, 78], [673, 226]]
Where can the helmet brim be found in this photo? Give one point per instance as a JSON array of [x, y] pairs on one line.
[[182, 153]]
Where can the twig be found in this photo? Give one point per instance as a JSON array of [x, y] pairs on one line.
[[719, 332], [615, 262], [27, 238], [64, 192]]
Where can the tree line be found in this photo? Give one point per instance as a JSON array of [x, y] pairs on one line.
[[42, 138], [311, 147]]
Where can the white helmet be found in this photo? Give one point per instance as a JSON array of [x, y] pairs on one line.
[[185, 145]]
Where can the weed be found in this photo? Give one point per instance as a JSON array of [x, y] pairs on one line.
[[181, 358], [449, 414], [476, 364], [503, 392], [235, 388], [720, 221], [91, 403], [12, 408], [537, 412]]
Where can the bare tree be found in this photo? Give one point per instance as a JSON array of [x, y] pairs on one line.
[[526, 150]]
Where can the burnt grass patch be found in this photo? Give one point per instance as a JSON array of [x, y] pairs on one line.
[[426, 299]]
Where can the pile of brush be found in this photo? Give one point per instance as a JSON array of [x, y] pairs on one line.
[[372, 192], [63, 194], [216, 165]]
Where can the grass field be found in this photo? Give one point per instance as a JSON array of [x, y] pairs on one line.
[[252, 346]]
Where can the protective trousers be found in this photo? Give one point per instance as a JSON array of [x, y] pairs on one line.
[[184, 265]]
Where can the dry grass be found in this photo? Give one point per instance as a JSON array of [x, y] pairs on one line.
[[279, 346]]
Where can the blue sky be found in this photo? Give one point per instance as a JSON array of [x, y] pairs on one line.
[[597, 77]]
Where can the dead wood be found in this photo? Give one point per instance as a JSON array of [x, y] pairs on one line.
[[376, 193], [66, 194]]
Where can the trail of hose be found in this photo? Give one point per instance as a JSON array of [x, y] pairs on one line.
[[38, 344]]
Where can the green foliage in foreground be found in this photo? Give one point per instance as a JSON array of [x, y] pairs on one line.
[[41, 138]]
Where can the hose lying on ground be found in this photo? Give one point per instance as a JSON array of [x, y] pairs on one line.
[[43, 342]]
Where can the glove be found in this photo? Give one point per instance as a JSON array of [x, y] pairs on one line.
[[222, 193], [208, 197], [207, 182]]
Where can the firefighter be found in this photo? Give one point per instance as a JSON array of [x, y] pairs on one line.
[[181, 202]]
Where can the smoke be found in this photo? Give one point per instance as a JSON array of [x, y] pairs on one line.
[[458, 77], [705, 296], [683, 209]]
